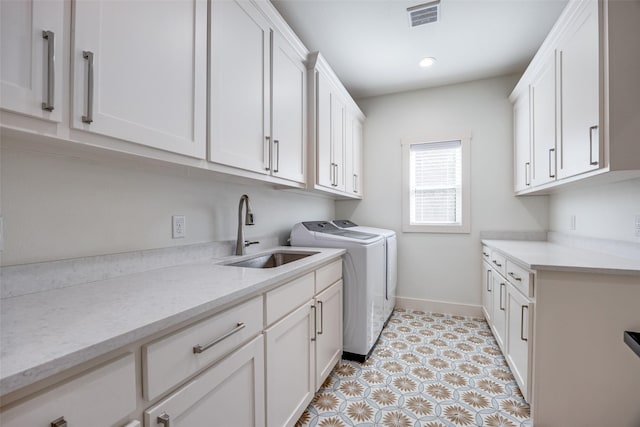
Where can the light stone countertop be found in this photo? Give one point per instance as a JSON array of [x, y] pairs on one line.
[[48, 332], [543, 255]]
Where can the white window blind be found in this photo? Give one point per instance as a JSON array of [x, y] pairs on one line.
[[435, 181]]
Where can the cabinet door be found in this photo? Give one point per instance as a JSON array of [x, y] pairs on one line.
[[522, 142], [338, 141], [290, 366], [140, 72], [487, 294], [498, 314], [328, 330], [240, 76], [289, 111], [543, 101], [324, 161], [353, 155], [520, 316], [231, 393], [31, 61], [579, 95]]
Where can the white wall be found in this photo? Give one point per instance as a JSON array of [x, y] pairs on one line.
[[444, 267], [58, 207], [605, 211]]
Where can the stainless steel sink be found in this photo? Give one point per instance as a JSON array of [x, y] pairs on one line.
[[275, 259]]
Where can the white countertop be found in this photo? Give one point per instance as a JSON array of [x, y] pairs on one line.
[[536, 255], [48, 332]]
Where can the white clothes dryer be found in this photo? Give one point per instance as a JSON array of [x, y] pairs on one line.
[[363, 275], [391, 260]]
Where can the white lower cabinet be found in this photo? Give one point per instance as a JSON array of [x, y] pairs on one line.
[[100, 398], [328, 331], [507, 300], [487, 291], [229, 394], [290, 366], [499, 313], [519, 313]]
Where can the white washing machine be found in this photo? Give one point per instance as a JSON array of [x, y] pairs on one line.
[[391, 260], [363, 270]]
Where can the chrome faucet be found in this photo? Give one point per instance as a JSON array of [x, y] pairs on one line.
[[241, 244]]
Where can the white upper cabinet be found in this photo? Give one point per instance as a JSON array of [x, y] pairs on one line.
[[353, 155], [336, 135], [543, 119], [240, 90], [258, 93], [140, 72], [584, 96], [522, 141], [31, 42], [579, 94], [289, 77]]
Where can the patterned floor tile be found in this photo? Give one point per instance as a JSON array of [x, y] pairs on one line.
[[427, 370]]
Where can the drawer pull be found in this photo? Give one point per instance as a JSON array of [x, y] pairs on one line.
[[199, 348], [497, 263], [512, 274], [522, 322], [164, 419], [485, 254], [60, 422]]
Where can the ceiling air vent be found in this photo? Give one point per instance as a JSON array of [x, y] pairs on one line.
[[425, 13]]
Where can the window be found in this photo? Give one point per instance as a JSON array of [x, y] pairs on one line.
[[436, 185]]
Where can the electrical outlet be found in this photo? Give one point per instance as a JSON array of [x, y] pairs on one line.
[[636, 229], [572, 223], [179, 226]]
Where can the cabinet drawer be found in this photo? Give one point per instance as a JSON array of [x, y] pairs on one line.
[[172, 359], [230, 393], [328, 275], [499, 262], [288, 297], [520, 278], [100, 398], [486, 253]]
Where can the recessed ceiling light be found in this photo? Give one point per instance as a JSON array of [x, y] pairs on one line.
[[427, 62]]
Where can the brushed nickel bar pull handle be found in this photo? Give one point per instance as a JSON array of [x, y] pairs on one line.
[[59, 422], [522, 322], [201, 348], [49, 36], [315, 323], [591, 129], [551, 175], [89, 57], [488, 280], [527, 173], [512, 274], [164, 419], [276, 144], [497, 263], [321, 331], [501, 285], [485, 253], [267, 144]]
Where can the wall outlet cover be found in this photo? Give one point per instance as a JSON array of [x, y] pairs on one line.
[[178, 227]]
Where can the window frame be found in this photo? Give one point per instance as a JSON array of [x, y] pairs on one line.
[[465, 223]]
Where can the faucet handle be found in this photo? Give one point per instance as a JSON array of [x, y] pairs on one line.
[[248, 243]]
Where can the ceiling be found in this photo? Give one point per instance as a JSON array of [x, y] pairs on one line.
[[373, 50]]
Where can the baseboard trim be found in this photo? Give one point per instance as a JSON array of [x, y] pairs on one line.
[[439, 307]]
